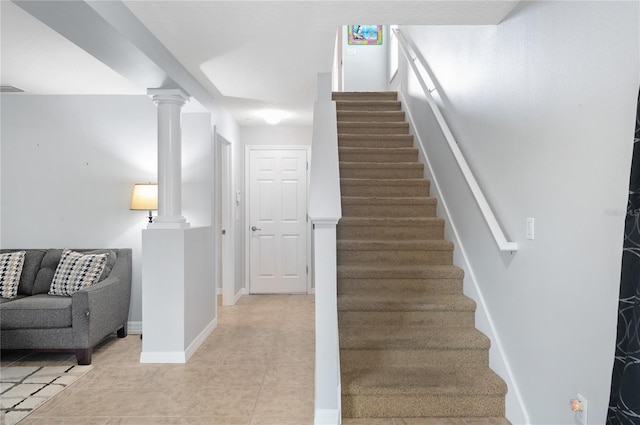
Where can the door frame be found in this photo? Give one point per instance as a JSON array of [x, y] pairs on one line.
[[227, 241], [247, 235]]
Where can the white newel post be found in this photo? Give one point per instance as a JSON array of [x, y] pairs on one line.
[[169, 103]]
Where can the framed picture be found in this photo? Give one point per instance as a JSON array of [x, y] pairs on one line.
[[365, 34]]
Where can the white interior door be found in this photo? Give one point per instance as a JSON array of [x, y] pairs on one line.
[[277, 221]]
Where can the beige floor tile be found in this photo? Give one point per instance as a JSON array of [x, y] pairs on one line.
[[105, 402], [107, 376], [367, 421], [211, 402], [290, 375], [236, 376], [255, 368], [285, 402], [236, 356], [179, 421], [283, 354], [64, 421], [257, 420]]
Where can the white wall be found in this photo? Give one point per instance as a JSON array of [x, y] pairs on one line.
[[543, 107], [365, 67], [69, 164]]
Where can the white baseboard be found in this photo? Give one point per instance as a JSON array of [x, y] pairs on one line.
[[134, 328], [197, 342], [239, 295], [327, 417], [179, 356], [163, 357]]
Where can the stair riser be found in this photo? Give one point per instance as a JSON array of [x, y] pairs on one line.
[[389, 128], [390, 232], [380, 173], [379, 211], [439, 319], [393, 286], [395, 257], [355, 141], [364, 96], [371, 116], [384, 191], [415, 358], [388, 105], [438, 406]]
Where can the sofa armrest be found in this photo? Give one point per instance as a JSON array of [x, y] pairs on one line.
[[103, 308]]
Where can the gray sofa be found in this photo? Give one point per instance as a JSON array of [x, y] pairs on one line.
[[35, 320]]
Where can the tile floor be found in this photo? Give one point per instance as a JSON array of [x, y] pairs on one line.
[[256, 368]]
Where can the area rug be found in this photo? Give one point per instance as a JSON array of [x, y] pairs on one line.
[[24, 388]]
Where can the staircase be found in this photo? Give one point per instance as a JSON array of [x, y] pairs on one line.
[[408, 343]]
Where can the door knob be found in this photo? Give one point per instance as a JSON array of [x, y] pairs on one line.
[[254, 228]]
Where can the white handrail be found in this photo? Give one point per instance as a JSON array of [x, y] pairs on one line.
[[487, 212]]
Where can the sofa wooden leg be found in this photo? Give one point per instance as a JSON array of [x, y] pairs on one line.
[[84, 356], [122, 332]]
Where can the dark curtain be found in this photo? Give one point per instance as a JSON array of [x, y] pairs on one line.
[[624, 405]]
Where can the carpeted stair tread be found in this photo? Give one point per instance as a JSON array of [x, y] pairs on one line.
[[375, 140], [398, 380], [384, 182], [400, 271], [370, 116], [391, 221], [411, 286], [385, 150], [388, 200], [365, 96], [382, 165], [397, 245], [367, 105], [398, 337], [401, 301], [355, 127]]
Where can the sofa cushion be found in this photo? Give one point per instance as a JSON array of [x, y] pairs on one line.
[[36, 312], [49, 262], [76, 271], [10, 273], [47, 269], [32, 262]]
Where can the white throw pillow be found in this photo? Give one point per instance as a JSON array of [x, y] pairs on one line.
[[76, 271], [10, 270]]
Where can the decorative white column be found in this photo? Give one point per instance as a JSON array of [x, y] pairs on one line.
[[169, 103]]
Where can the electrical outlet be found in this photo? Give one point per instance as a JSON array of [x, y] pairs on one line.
[[579, 406]]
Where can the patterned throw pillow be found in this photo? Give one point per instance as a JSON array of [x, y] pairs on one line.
[[10, 270], [76, 271]]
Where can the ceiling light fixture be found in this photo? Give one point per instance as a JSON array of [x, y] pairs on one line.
[[273, 116]]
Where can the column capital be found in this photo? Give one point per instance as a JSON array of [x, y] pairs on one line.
[[175, 96]]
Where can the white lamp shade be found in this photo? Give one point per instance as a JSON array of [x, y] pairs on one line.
[[145, 197]]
